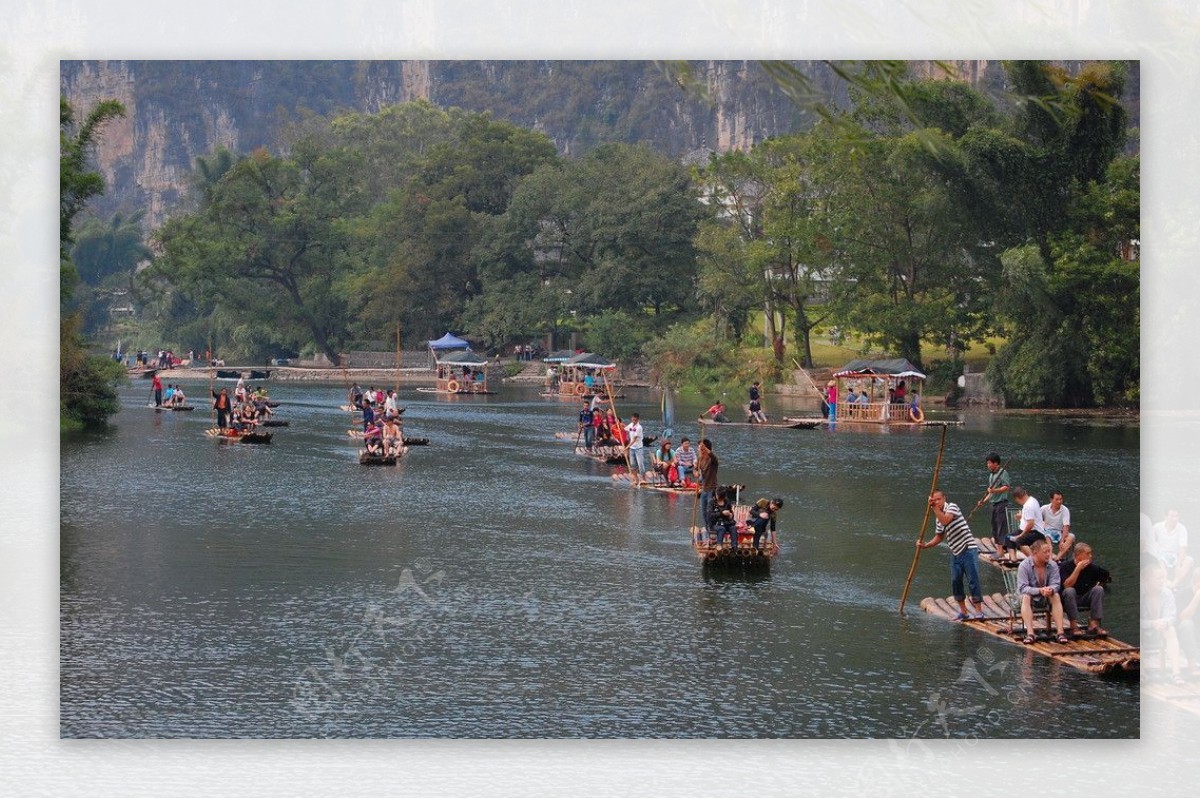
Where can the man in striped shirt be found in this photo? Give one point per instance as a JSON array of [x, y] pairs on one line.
[[952, 527]]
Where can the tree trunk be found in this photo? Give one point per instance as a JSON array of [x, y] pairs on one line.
[[910, 348]]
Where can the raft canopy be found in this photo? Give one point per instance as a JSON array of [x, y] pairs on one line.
[[559, 356], [449, 342], [892, 367], [464, 358], [590, 360]]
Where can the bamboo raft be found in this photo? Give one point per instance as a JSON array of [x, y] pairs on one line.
[[656, 483], [743, 557], [459, 393], [1185, 696], [987, 551], [173, 407], [372, 459], [608, 455], [234, 437], [789, 424], [1103, 656]]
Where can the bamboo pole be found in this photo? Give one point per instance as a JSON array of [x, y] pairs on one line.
[[212, 401], [928, 508], [613, 405]]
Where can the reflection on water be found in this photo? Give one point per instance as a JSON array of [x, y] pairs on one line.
[[495, 585]]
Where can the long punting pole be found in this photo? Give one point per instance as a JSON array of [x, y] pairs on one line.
[[696, 500], [986, 494], [212, 401], [612, 404], [928, 508]]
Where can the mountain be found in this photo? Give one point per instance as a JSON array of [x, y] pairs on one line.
[[178, 110]]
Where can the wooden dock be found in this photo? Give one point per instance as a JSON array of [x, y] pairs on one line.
[[1105, 656]]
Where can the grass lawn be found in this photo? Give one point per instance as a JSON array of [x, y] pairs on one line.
[[826, 354]]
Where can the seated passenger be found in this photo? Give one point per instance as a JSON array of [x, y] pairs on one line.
[[1038, 583], [178, 397], [1056, 517], [720, 519], [1169, 543], [1084, 585], [392, 438], [685, 460], [1031, 526], [762, 517], [373, 438], [1159, 617], [662, 459], [717, 412]]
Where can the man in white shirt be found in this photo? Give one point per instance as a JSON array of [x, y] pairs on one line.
[[1056, 519], [637, 455], [389, 405], [1169, 544], [1032, 528]]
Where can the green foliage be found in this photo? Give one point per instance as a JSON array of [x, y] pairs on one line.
[[616, 335], [87, 393], [86, 384], [268, 244], [77, 184], [693, 357]]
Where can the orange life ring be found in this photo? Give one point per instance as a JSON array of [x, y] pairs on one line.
[[916, 414], [453, 386], [580, 389]]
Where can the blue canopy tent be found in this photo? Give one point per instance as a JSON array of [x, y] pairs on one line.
[[449, 342]]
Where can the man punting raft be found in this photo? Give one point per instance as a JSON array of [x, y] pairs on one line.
[[1056, 585], [238, 422]]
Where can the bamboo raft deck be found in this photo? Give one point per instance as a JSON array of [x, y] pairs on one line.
[[1104, 656], [1185, 696], [173, 407], [372, 459], [608, 455], [742, 557], [233, 437], [987, 549], [459, 393], [656, 483], [786, 424]]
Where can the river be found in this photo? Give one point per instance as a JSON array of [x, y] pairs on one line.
[[496, 585]]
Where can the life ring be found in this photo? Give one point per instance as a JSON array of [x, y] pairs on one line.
[[916, 414], [453, 386], [580, 389]]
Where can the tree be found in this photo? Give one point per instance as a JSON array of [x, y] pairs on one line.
[[269, 243], [615, 228], [104, 249], [87, 395], [902, 246], [77, 184]]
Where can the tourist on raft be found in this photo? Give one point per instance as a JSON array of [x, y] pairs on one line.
[[717, 412], [762, 518], [663, 462], [720, 519], [685, 460], [1056, 522], [1083, 586], [1032, 527], [706, 468], [1038, 582], [393, 438], [952, 527]]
